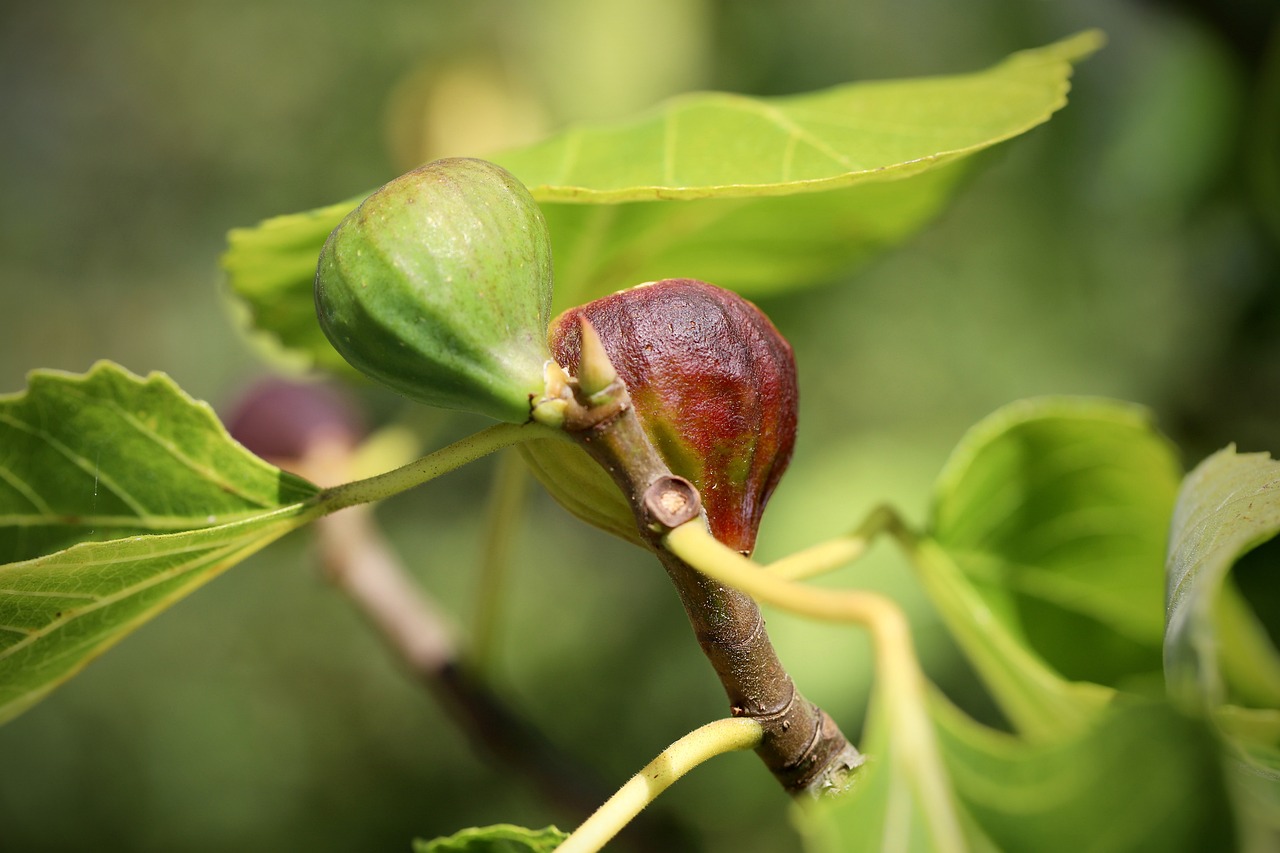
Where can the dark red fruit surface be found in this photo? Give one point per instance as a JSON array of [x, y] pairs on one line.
[[713, 383]]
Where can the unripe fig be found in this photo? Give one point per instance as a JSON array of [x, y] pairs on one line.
[[439, 285], [714, 386]]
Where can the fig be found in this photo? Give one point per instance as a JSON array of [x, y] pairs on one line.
[[281, 421], [713, 384], [439, 286]]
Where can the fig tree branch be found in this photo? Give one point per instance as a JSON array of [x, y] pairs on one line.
[[801, 745], [359, 561]]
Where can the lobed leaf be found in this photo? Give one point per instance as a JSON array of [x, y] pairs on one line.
[[775, 192], [1048, 529], [118, 495], [501, 838]]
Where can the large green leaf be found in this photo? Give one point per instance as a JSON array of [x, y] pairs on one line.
[[501, 838], [107, 455], [1217, 656], [1139, 778], [717, 145], [774, 192], [1048, 531], [118, 495], [756, 246], [1040, 702]]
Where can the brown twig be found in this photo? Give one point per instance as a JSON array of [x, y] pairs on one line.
[[358, 560]]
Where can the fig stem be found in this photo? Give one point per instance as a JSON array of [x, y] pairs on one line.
[[427, 468], [699, 745]]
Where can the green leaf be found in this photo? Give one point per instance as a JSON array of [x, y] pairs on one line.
[[97, 465], [1150, 771], [755, 246], [719, 145], [774, 192], [1216, 654], [271, 270], [1249, 659], [502, 838], [1140, 778], [901, 798], [1251, 741], [1036, 698], [594, 497], [1228, 505], [106, 455], [1048, 530]]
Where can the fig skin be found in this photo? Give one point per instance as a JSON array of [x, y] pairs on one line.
[[439, 286], [714, 386]]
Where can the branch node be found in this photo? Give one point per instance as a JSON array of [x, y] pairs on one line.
[[669, 502]]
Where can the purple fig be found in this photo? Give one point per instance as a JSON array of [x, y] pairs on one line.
[[282, 421], [714, 386]]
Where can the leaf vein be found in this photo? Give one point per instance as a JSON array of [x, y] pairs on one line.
[[22, 487], [173, 450], [213, 555], [147, 522], [77, 460], [801, 134], [31, 593]]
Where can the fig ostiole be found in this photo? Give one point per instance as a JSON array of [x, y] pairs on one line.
[[713, 384], [439, 286]]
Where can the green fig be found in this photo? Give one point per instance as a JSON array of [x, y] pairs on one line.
[[439, 286], [714, 386]]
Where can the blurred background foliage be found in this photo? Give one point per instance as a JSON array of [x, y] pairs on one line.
[[1128, 248]]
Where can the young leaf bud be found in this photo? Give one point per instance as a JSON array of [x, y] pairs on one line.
[[714, 386], [439, 285]]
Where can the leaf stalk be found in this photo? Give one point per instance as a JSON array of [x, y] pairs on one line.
[[433, 465], [717, 738]]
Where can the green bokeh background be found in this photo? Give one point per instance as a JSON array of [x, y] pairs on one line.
[[1128, 248]]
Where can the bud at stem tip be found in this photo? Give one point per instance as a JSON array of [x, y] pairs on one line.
[[595, 370]]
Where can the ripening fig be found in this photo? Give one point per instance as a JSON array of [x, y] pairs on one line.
[[714, 386], [282, 421], [439, 285]]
